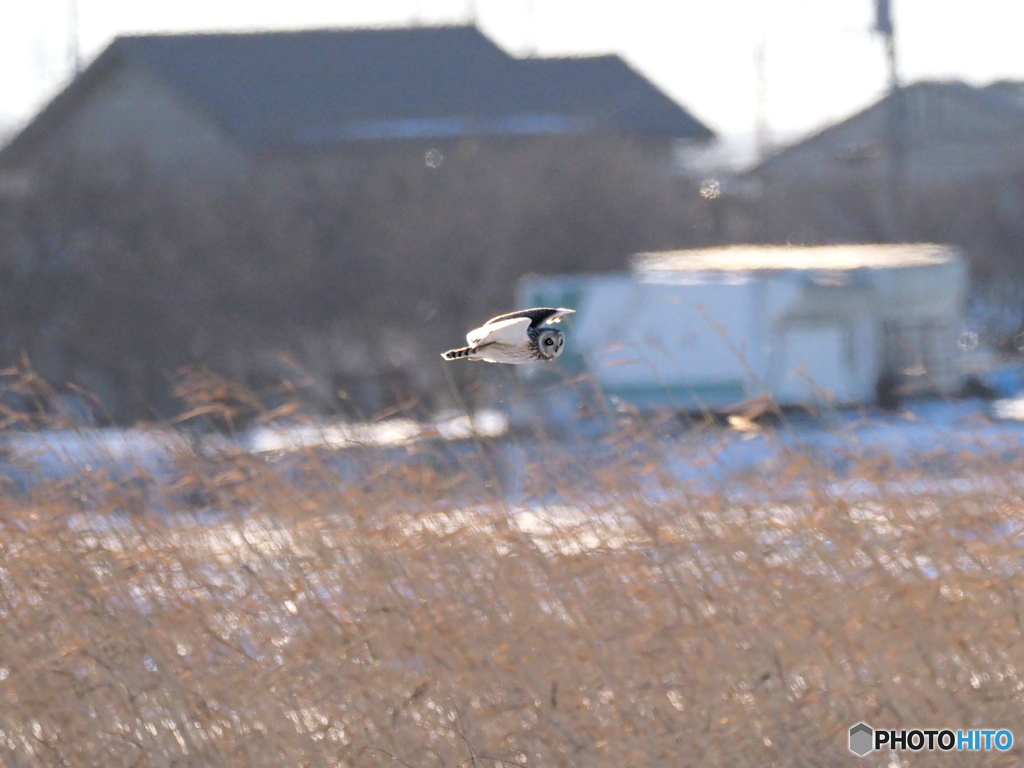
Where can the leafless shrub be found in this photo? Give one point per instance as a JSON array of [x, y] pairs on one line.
[[357, 267]]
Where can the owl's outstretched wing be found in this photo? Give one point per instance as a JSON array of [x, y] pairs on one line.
[[509, 331], [537, 316]]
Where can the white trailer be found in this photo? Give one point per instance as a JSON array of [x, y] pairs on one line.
[[709, 328]]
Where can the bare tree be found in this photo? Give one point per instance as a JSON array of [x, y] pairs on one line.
[[348, 269]]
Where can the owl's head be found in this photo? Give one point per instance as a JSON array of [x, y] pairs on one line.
[[550, 342]]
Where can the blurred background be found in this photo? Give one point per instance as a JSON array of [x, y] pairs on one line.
[[331, 194]]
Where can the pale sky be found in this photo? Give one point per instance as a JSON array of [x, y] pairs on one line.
[[822, 62]]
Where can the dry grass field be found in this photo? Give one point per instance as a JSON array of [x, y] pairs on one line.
[[240, 609]]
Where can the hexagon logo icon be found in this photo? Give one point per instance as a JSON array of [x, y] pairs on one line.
[[862, 737]]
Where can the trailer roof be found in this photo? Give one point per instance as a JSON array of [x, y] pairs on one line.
[[754, 258]]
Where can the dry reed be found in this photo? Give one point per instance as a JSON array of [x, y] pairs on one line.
[[402, 606]]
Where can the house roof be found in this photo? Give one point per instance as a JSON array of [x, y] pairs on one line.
[[1008, 90], [309, 88], [772, 258], [927, 100]]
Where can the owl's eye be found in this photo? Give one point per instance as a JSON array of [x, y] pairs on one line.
[[548, 342]]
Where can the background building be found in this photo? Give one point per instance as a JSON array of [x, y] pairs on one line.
[[328, 207]]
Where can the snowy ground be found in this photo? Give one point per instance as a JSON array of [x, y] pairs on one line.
[[931, 450], [934, 437]]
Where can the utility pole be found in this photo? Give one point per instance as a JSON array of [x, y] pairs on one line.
[[530, 33], [884, 26], [896, 125], [74, 44], [762, 136]]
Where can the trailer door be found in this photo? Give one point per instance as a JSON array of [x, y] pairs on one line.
[[814, 364]]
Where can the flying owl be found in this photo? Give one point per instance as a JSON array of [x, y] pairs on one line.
[[518, 337]]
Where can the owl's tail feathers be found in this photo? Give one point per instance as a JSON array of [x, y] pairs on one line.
[[455, 354]]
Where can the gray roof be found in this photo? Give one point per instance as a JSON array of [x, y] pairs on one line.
[[1011, 91], [309, 88], [1003, 102]]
